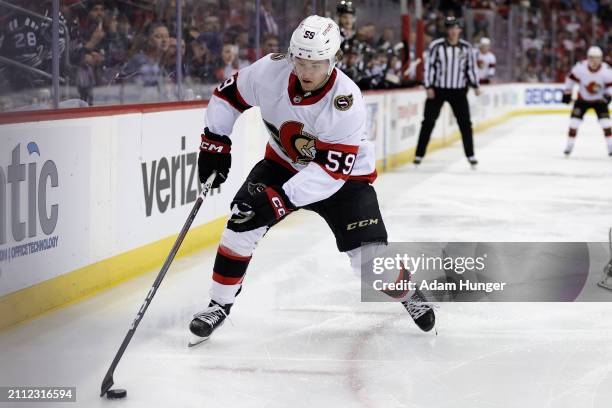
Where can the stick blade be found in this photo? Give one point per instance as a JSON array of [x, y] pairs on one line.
[[107, 383]]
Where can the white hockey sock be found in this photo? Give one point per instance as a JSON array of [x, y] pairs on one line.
[[571, 141], [609, 142], [223, 294]]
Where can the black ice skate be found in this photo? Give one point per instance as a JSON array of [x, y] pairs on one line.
[[417, 160], [567, 152], [207, 321], [421, 312]]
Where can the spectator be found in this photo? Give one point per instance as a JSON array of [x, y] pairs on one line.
[[145, 67], [211, 34], [115, 42], [346, 22], [267, 18], [92, 30], [269, 45], [230, 63], [86, 76], [201, 65], [386, 41], [169, 59]]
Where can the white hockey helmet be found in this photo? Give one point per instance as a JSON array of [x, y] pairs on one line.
[[316, 38], [484, 42], [595, 52]]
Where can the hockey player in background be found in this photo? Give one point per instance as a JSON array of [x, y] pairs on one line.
[[317, 158], [485, 61], [594, 79]]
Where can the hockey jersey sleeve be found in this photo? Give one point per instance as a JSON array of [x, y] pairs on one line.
[[337, 145], [608, 80], [492, 65], [235, 95], [571, 79]]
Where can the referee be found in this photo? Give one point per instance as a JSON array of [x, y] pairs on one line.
[[450, 67]]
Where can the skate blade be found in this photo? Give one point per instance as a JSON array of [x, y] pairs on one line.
[[195, 340]]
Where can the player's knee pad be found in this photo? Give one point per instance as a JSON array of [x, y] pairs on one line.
[[242, 243], [575, 122]]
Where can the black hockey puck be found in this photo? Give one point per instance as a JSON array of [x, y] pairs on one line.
[[117, 393]]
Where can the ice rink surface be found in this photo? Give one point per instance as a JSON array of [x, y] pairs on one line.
[[299, 336]]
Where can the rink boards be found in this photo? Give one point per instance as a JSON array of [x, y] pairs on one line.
[[88, 200]]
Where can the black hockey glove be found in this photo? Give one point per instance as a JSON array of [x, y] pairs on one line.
[[607, 99], [567, 98], [261, 209], [214, 155]]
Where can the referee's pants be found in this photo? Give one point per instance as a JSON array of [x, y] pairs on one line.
[[457, 98]]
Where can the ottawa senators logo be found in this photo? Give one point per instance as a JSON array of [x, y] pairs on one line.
[[343, 102], [277, 56], [254, 188], [593, 88], [297, 144]]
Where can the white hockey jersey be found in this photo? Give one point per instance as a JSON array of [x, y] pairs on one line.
[[485, 65], [592, 85], [319, 135]]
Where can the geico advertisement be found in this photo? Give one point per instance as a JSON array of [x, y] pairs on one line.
[[159, 178], [543, 96], [44, 205]]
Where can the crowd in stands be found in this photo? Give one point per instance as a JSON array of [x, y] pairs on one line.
[[559, 33], [109, 42]]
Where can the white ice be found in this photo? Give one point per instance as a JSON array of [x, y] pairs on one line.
[[300, 337]]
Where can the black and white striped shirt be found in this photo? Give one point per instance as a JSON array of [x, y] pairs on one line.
[[450, 66]]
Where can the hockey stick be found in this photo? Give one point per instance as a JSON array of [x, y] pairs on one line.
[[108, 382]]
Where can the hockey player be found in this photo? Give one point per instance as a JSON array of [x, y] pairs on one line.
[[594, 78], [318, 158], [485, 61]]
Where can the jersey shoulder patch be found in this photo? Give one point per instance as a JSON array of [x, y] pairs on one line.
[[343, 102], [277, 56]]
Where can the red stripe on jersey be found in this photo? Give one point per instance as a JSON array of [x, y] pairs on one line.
[[272, 155], [608, 84], [228, 91], [232, 255], [366, 177], [224, 280], [320, 145], [573, 77]]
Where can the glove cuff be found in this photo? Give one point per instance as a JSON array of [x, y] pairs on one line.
[[280, 203], [214, 143]]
